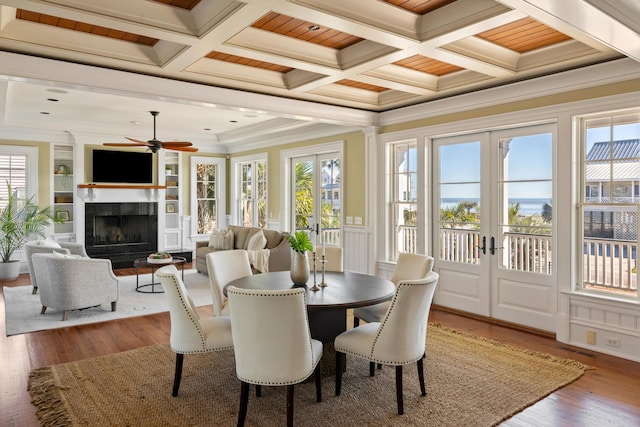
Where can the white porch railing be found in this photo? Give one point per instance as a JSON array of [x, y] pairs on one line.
[[608, 264]]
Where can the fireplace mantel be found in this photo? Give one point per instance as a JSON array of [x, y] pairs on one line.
[[122, 186], [114, 192]]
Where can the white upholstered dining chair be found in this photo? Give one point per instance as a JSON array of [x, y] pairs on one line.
[[333, 258], [408, 267], [272, 342], [189, 332], [223, 267], [398, 340]]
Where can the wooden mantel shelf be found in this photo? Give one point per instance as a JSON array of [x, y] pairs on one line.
[[123, 186]]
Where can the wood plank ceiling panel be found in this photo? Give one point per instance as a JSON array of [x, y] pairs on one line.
[[523, 35], [221, 56]]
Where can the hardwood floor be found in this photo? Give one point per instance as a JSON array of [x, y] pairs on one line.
[[608, 395]]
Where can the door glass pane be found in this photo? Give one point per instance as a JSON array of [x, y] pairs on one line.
[[460, 202], [526, 193], [331, 199], [303, 194]]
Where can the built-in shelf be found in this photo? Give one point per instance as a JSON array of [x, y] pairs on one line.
[[122, 186]]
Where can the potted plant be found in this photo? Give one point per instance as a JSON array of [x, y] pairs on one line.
[[20, 221], [300, 244]]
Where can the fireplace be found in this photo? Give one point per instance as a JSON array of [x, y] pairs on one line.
[[121, 232]]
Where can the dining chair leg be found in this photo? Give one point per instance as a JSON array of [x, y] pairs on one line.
[[372, 368], [34, 291], [339, 358], [399, 389], [244, 402], [356, 322], [178, 374], [258, 390], [290, 405], [318, 377], [423, 390]]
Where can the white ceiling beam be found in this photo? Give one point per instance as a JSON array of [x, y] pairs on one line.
[[583, 22]]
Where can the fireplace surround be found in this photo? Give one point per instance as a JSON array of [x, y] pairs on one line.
[[121, 232]]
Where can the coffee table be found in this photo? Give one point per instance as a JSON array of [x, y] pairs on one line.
[[144, 263]]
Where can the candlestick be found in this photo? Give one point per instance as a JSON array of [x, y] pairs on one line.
[[323, 261], [315, 286]]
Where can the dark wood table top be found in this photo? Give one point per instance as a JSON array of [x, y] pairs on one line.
[[343, 290]]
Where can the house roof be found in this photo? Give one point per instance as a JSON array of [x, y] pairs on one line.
[[625, 166]]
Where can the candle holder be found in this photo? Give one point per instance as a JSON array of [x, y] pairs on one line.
[[315, 280], [323, 261]]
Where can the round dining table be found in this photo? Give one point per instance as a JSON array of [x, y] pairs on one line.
[[327, 307]]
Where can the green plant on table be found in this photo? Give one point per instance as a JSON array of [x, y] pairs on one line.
[[300, 242]]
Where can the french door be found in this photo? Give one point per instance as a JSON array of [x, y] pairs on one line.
[[494, 251], [317, 197]]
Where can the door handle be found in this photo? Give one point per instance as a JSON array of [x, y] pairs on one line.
[[483, 248], [492, 249]]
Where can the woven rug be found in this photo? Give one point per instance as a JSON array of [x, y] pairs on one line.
[[22, 309], [470, 382]]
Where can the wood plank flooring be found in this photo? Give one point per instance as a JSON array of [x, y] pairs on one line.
[[606, 396]]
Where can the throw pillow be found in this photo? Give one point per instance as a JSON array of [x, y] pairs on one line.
[[61, 255], [257, 241], [221, 240], [49, 243]]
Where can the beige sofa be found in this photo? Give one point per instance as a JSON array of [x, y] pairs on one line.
[[279, 249]]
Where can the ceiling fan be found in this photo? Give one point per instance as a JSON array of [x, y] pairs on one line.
[[154, 144]]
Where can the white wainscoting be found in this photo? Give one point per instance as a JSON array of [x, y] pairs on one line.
[[615, 326], [356, 245]]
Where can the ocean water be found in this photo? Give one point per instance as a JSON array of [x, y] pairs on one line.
[[528, 206]]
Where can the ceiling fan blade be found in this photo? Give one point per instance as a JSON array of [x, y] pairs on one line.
[[189, 149], [148, 144], [176, 144], [124, 144]]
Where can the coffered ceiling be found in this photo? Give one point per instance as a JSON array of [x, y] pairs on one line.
[[365, 56]]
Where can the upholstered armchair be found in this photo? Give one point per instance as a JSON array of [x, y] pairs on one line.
[[47, 246], [68, 282]]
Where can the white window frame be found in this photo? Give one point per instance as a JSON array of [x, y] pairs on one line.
[[221, 186], [394, 198], [31, 167], [580, 148], [285, 176], [235, 189]]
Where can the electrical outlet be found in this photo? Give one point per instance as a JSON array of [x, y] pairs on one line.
[[613, 342], [349, 220], [358, 220]]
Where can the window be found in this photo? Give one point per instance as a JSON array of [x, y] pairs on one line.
[[609, 206], [207, 194], [403, 179], [249, 189], [18, 167]]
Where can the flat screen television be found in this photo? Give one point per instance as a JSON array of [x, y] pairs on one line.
[[126, 167]]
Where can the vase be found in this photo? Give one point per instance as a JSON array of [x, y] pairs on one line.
[[299, 268], [9, 270]]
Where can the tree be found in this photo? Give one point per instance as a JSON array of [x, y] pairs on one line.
[[304, 194]]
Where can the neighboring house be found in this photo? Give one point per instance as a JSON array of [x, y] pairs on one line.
[[622, 161]]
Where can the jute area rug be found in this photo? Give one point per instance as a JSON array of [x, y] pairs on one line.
[[470, 382]]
